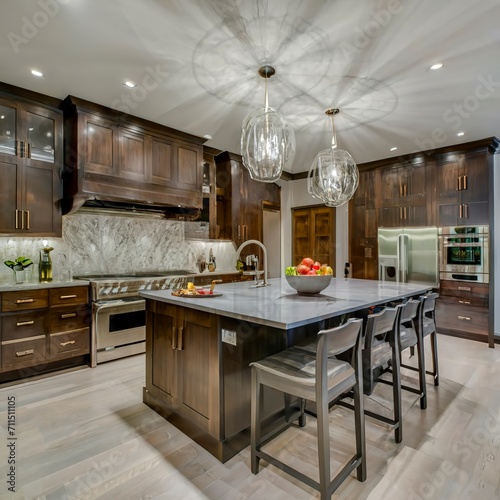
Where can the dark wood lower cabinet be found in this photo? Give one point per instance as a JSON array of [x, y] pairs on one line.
[[42, 330], [200, 381], [462, 310]]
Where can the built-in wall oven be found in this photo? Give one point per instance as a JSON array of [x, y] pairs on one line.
[[464, 253]]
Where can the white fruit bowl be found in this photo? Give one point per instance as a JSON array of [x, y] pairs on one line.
[[309, 285]]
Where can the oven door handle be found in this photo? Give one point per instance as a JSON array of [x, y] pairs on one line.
[[116, 303], [463, 245]]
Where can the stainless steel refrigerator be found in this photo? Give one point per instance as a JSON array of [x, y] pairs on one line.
[[409, 255]]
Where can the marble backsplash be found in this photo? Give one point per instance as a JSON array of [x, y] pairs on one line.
[[95, 243]]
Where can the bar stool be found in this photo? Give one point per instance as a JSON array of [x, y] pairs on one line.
[[380, 355], [320, 378], [426, 327], [409, 337]]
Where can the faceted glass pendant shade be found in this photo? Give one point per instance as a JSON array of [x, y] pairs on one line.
[[267, 140], [333, 176], [267, 144]]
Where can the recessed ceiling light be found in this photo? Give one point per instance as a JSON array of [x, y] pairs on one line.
[[436, 66], [35, 72], [460, 134], [130, 84], [394, 149], [207, 136]]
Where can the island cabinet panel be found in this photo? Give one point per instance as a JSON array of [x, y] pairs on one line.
[[125, 158], [182, 371], [42, 330], [31, 159]]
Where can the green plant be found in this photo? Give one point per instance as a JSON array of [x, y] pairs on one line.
[[19, 264]]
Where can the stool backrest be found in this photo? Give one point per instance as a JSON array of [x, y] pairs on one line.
[[335, 341], [429, 304], [409, 311], [380, 325]]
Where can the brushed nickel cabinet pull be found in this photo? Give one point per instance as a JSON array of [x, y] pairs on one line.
[[465, 182], [27, 219], [25, 323], [466, 211], [400, 212], [67, 297], [464, 288], [464, 301], [69, 342], [29, 150], [400, 190], [405, 190], [180, 347], [24, 301], [461, 212], [463, 318], [459, 185], [239, 232], [21, 150], [17, 219], [28, 352], [174, 338], [69, 315]]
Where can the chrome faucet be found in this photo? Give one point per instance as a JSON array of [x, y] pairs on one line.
[[255, 242]]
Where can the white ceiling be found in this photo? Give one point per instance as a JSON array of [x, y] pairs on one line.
[[196, 62]]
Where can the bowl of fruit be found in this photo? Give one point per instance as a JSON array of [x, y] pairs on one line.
[[309, 277]]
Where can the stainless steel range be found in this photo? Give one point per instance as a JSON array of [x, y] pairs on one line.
[[118, 312]]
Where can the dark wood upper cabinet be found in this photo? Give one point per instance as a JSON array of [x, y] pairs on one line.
[[462, 189], [240, 200], [403, 195], [118, 157], [30, 163]]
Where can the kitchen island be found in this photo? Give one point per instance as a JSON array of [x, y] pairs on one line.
[[198, 349]]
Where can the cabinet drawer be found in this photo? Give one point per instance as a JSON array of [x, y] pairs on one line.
[[65, 319], [21, 301], [69, 296], [20, 326], [74, 343], [471, 293], [28, 352], [460, 317]]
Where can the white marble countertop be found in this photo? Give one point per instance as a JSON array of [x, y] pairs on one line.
[[278, 305], [36, 285]]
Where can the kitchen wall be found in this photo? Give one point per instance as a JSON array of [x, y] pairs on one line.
[[96, 243]]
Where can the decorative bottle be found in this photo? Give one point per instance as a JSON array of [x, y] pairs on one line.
[[45, 265]]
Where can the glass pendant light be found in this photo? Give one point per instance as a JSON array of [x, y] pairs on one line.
[[267, 140], [333, 176]]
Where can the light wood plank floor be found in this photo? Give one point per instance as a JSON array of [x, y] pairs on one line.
[[86, 434]]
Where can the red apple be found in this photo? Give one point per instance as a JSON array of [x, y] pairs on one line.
[[307, 261], [302, 269], [316, 265], [312, 272]]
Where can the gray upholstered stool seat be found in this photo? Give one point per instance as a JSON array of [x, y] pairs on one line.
[[321, 378]]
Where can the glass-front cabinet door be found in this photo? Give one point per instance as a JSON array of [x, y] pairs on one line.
[[40, 137], [8, 133]]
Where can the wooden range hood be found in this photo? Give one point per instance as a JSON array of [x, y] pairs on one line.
[[123, 161]]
